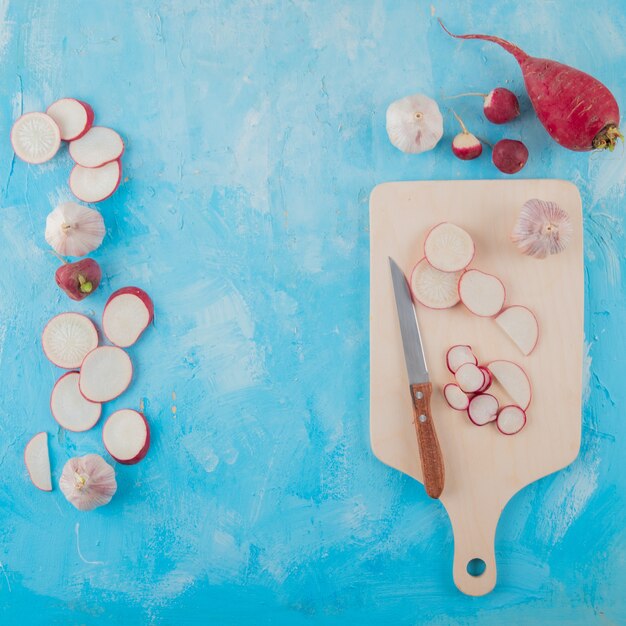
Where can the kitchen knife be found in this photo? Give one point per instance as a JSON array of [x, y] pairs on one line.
[[419, 384]]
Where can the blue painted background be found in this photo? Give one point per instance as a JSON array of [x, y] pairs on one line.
[[255, 134]]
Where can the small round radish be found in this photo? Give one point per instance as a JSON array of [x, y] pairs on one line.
[[126, 436], [448, 247], [68, 338], [511, 419], [521, 325], [509, 155], [514, 380], [433, 288], [483, 294], [127, 313], [501, 106], [482, 409], [465, 145], [37, 460], [35, 137], [456, 397], [73, 117], [459, 355], [105, 374], [470, 378], [94, 184], [70, 408], [98, 146], [488, 379]]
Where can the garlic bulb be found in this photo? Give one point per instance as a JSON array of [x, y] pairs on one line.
[[542, 228], [414, 124], [74, 230], [88, 482]]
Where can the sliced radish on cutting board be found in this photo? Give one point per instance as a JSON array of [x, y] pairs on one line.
[[483, 294], [126, 436], [37, 460], [521, 325], [455, 397], [459, 355], [483, 408], [73, 117], [127, 313], [99, 145], [511, 419], [94, 184], [513, 380], [35, 137], [470, 377], [448, 247], [70, 408], [105, 374], [434, 288], [68, 338], [488, 379]]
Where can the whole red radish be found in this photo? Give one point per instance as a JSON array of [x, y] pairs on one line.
[[577, 110], [465, 145], [79, 279], [509, 155], [500, 105]]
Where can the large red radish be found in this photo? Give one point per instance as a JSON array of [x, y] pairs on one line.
[[577, 110], [470, 378], [68, 338], [513, 380], [73, 117], [433, 288], [127, 313], [511, 419], [105, 374], [482, 409], [98, 146], [70, 408], [126, 436], [521, 325], [94, 184], [456, 397], [37, 460], [35, 137], [509, 155], [483, 294], [459, 355], [448, 247]]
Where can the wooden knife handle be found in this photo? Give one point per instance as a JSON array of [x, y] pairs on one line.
[[430, 452]]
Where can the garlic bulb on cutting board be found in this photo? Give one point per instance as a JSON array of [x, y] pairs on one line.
[[74, 230]]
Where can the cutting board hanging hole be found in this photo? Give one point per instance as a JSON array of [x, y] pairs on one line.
[[476, 567]]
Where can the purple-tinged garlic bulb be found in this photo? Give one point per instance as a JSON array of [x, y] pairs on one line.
[[88, 482], [542, 228]]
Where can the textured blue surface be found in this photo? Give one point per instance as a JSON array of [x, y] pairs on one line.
[[255, 133]]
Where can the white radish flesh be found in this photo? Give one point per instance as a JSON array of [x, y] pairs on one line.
[[37, 460], [470, 378], [68, 338], [70, 408], [126, 436], [73, 117], [511, 419], [35, 137], [482, 294], [127, 314], [483, 408], [434, 288], [459, 355], [105, 374], [98, 146], [94, 184], [456, 397], [521, 325], [513, 379], [448, 248]]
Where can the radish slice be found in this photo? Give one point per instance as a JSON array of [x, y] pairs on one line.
[[70, 408], [483, 408], [127, 313], [105, 374], [511, 419], [98, 146], [456, 397], [126, 436], [73, 117], [521, 325], [488, 379], [37, 460], [68, 338], [459, 355], [94, 184], [35, 137], [483, 294], [433, 288], [470, 377], [513, 380], [448, 248]]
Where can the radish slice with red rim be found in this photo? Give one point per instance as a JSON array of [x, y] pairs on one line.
[[126, 436], [105, 374], [459, 355], [127, 313], [98, 146], [511, 419], [521, 325], [470, 377], [68, 338], [514, 380], [456, 397], [35, 137], [483, 294], [37, 460], [433, 288], [73, 117], [482, 409], [70, 408], [448, 247], [488, 379], [94, 184]]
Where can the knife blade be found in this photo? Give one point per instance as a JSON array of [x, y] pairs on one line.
[[419, 384]]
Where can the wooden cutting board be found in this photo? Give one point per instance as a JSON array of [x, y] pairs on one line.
[[483, 468]]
